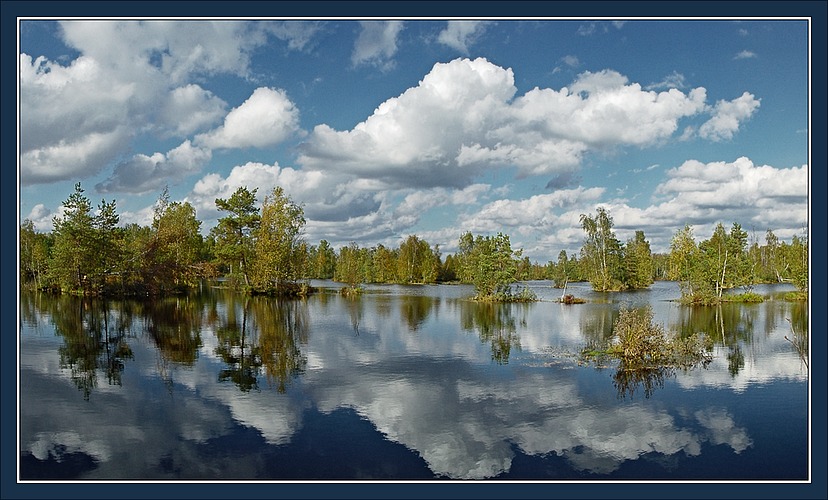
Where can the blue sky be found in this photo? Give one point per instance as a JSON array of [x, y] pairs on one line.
[[385, 128]]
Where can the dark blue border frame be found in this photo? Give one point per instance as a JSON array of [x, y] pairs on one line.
[[10, 10]]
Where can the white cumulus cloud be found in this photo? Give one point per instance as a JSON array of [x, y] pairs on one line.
[[463, 119], [728, 116], [266, 118], [72, 119]]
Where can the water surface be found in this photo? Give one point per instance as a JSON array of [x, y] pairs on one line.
[[404, 382]]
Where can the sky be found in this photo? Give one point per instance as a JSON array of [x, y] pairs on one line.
[[384, 128]]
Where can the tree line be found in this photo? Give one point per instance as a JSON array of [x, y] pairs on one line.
[[262, 250]]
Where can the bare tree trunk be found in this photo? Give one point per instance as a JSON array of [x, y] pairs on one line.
[[724, 268]]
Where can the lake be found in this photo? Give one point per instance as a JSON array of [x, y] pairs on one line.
[[403, 383]]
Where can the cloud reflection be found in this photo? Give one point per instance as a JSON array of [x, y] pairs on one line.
[[421, 381]]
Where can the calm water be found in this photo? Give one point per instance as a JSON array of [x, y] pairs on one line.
[[405, 382]]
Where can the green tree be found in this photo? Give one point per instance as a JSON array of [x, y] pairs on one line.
[[685, 261], [322, 261], [725, 263], [524, 269], [416, 262], [602, 252], [638, 262], [464, 254], [85, 247], [133, 268], [661, 266], [351, 265], [278, 253], [34, 254], [173, 252], [706, 270], [450, 269], [797, 261], [384, 264], [492, 266], [234, 232]]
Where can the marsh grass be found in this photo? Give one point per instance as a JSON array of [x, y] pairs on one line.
[[523, 295], [747, 297]]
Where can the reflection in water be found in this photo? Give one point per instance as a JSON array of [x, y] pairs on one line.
[[730, 325], [174, 324], [726, 324], [465, 406], [628, 380], [596, 323], [236, 349], [354, 305], [416, 308], [282, 325], [265, 340], [799, 340], [735, 360], [495, 324], [94, 337]]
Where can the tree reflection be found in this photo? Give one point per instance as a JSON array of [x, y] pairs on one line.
[[726, 323], [799, 340], [236, 350], [265, 340], [94, 335], [414, 309], [174, 324], [628, 380], [282, 327], [596, 324], [494, 324], [735, 360], [353, 303]]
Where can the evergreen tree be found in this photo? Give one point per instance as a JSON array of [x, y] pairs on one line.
[[85, 246], [234, 232], [638, 262]]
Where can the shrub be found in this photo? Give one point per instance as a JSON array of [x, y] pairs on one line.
[[640, 341], [641, 344]]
